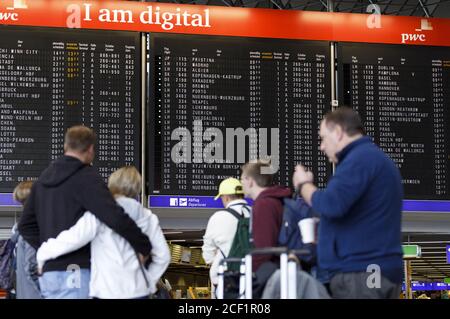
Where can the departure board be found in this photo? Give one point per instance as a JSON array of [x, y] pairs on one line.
[[208, 90], [403, 96], [53, 79]]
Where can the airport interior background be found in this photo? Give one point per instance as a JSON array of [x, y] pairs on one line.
[[427, 232]]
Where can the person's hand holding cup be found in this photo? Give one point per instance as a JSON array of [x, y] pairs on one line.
[[301, 175]]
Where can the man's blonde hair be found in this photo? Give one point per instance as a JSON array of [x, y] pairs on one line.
[[125, 181], [22, 191]]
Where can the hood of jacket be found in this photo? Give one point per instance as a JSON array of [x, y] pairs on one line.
[[278, 192], [60, 170]]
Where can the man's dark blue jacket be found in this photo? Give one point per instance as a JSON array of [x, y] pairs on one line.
[[360, 213]]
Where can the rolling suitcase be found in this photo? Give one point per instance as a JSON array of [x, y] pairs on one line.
[[244, 281]]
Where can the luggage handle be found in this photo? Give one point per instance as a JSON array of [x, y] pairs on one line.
[[221, 274], [231, 260], [278, 251], [288, 264]]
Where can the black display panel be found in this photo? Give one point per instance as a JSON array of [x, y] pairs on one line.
[[53, 79], [402, 94], [229, 83]]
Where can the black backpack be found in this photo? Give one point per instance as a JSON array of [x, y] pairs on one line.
[[7, 264]]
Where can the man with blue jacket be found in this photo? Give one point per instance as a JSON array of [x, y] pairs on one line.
[[360, 211]]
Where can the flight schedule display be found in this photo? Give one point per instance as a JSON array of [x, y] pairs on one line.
[[403, 96], [220, 101], [53, 79]]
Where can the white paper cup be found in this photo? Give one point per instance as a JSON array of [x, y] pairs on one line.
[[308, 230]]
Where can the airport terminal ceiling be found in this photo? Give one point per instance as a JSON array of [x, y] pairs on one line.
[[417, 8]]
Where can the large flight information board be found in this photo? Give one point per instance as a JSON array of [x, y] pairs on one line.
[[210, 86], [403, 96], [51, 80]]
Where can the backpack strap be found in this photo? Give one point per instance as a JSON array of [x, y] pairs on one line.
[[234, 213], [142, 270], [239, 216], [250, 226]]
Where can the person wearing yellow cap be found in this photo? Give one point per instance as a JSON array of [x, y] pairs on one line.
[[222, 225]]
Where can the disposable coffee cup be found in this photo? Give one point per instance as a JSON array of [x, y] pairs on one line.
[[308, 230]]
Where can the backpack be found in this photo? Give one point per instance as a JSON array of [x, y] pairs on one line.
[[295, 210], [7, 264], [241, 244]]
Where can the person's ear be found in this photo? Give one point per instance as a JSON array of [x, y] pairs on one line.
[[339, 132]]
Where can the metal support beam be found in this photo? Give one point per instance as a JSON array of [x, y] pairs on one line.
[[403, 5], [307, 4], [415, 9], [386, 6], [356, 5], [226, 3], [336, 8], [425, 10], [434, 9], [330, 5], [324, 4], [276, 4]]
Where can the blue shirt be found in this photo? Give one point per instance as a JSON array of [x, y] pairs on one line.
[[360, 213]]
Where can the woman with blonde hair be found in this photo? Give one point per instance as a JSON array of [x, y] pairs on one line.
[[116, 270]]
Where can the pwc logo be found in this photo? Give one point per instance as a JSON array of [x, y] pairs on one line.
[[425, 25], [10, 15]]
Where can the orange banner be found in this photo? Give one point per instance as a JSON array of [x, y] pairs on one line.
[[214, 20]]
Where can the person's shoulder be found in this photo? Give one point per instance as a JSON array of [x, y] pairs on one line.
[[122, 200], [267, 205], [221, 215], [268, 200], [371, 156], [89, 169], [133, 208], [365, 155], [88, 175], [221, 212]]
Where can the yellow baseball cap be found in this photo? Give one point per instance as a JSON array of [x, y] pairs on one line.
[[230, 186]]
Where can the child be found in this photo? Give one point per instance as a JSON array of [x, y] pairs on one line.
[[27, 285]]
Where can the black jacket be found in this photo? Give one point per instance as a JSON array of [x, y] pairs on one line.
[[61, 195]]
